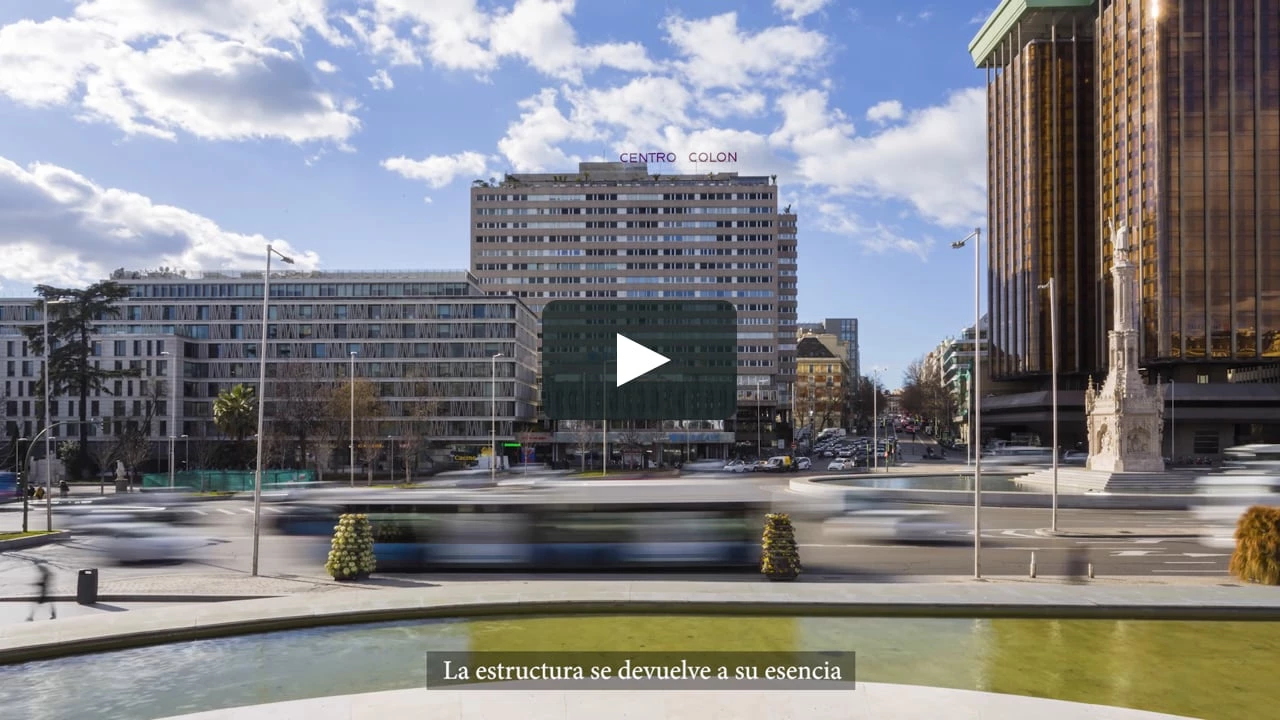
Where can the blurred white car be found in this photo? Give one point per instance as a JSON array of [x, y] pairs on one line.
[[894, 525], [804, 463], [1233, 494], [841, 464], [146, 542], [737, 466]]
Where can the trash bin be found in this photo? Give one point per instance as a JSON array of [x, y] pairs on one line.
[[87, 587]]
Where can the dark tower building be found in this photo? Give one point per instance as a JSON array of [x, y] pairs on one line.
[[1162, 115]]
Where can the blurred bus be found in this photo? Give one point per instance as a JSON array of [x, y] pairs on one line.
[[574, 529]]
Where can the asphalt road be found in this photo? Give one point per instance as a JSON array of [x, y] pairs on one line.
[[222, 540]]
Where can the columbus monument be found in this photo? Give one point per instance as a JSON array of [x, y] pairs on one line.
[[1126, 416]]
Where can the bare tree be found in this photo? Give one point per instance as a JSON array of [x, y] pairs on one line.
[[133, 444], [368, 412], [420, 420], [299, 408]]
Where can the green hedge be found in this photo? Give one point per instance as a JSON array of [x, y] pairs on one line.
[[226, 480]]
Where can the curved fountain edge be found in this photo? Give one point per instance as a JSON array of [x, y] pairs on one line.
[[880, 700], [988, 599]]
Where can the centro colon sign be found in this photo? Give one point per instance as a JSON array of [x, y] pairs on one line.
[[670, 157]]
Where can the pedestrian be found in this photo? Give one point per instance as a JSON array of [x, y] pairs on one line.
[[42, 585], [1077, 565], [64, 488]]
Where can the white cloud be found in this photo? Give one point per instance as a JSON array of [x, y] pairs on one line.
[[61, 228], [381, 80], [538, 31], [885, 111], [640, 108], [459, 35], [723, 105], [874, 238], [717, 53], [326, 67], [935, 160], [427, 199], [799, 9], [160, 67], [532, 142], [438, 170]]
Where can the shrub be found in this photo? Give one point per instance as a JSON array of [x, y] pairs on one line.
[[351, 555], [780, 558], [1257, 555]]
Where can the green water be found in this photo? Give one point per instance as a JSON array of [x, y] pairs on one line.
[[1214, 670]]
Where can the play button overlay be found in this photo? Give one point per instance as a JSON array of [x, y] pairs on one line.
[[642, 360], [635, 360]]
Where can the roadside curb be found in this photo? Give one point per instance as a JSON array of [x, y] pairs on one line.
[[1046, 532], [146, 598], [34, 541]]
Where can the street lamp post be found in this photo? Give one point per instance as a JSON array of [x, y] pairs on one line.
[[976, 236], [1173, 424], [875, 421], [493, 418], [23, 480], [186, 453], [262, 402], [759, 402], [391, 462], [48, 419], [351, 407], [1053, 361], [173, 414]]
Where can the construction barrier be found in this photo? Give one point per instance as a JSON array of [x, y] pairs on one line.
[[226, 480]]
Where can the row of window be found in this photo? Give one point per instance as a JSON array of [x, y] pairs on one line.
[[601, 224], [282, 288], [627, 266], [751, 237], [507, 211], [613, 197]]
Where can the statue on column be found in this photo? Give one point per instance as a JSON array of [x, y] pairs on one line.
[[1125, 415]]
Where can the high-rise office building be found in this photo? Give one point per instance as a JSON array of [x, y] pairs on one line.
[[425, 339], [1163, 116], [846, 329], [622, 230]]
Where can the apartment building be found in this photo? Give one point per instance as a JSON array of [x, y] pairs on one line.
[[623, 230], [823, 382], [425, 339]]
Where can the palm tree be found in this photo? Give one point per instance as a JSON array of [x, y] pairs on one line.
[[235, 412]]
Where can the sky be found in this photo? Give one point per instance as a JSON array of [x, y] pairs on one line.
[[190, 133]]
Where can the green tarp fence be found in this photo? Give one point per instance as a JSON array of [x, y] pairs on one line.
[[226, 480]]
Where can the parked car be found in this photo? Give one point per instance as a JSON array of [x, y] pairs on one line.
[[841, 464]]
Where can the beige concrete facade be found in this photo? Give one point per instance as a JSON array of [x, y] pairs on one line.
[[625, 231]]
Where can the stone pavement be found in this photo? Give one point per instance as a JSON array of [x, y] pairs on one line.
[[233, 585]]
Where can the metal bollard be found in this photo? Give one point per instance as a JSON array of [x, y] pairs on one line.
[[1033, 564], [1090, 571]]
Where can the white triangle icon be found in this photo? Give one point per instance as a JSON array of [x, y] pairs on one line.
[[635, 360]]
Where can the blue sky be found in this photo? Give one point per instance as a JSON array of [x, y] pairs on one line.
[[179, 133]]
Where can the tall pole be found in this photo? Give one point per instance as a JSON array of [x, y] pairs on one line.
[[262, 404], [1053, 360], [493, 427], [977, 403], [23, 479], [48, 459], [976, 236], [351, 382], [1173, 424], [875, 422], [604, 435], [759, 442], [173, 413], [186, 453], [391, 463]]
